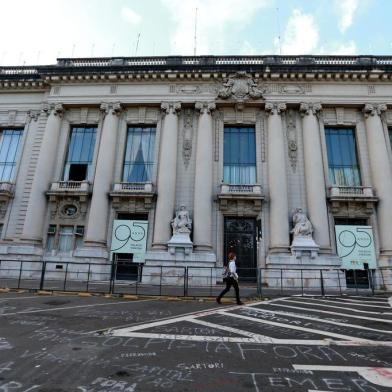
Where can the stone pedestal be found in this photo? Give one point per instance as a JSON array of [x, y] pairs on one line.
[[304, 246], [180, 243]]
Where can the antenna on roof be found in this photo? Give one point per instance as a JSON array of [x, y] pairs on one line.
[[137, 43], [195, 36], [73, 50], [92, 49], [278, 25]]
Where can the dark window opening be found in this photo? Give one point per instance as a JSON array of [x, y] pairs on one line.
[[77, 172]]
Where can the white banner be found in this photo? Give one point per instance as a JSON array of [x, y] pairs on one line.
[[130, 236], [355, 246]]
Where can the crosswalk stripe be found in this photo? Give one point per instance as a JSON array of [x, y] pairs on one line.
[[334, 313], [359, 302], [291, 314], [230, 329], [297, 328], [370, 305], [337, 307]]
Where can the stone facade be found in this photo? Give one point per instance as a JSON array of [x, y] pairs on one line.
[[288, 101]]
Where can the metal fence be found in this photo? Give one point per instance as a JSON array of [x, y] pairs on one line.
[[139, 279]]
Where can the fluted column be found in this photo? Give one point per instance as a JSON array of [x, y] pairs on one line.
[[202, 209], [381, 173], [279, 216], [167, 168], [96, 234], [36, 209], [314, 173]]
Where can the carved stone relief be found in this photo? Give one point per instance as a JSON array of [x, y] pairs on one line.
[[68, 208], [187, 136], [292, 143], [352, 209], [260, 122], [240, 207], [240, 87]]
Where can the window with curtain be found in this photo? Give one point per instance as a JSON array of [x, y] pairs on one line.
[[80, 154], [9, 150], [66, 238], [239, 156], [139, 154], [342, 157]]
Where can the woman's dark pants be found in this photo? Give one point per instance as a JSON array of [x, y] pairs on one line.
[[231, 282]]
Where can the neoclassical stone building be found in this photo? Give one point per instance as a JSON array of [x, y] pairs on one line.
[[241, 142]]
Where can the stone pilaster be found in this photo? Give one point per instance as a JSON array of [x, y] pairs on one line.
[[96, 233], [167, 169], [279, 216], [36, 210], [314, 173], [202, 210], [381, 173]]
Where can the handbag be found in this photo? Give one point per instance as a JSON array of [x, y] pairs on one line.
[[226, 273]]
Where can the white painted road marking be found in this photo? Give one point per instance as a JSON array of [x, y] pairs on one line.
[[334, 313], [297, 328], [337, 307], [320, 320], [376, 375]]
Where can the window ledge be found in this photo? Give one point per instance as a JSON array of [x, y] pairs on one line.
[[248, 191], [133, 188], [352, 192], [70, 187], [140, 193]]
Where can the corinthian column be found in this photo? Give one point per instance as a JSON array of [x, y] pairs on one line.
[[279, 215], [35, 215], [381, 173], [96, 234], [314, 173], [202, 210], [167, 168]]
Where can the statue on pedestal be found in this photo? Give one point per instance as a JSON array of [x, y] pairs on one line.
[[181, 222], [302, 225], [303, 242], [181, 225]]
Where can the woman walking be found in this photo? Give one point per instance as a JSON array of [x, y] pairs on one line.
[[230, 277]]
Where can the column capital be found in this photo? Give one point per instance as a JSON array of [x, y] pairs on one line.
[[307, 108], [205, 107], [170, 107], [371, 109], [275, 107], [57, 109], [113, 108]]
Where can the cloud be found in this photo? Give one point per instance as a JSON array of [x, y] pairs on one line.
[[130, 16], [346, 10], [216, 20], [301, 35], [349, 48]]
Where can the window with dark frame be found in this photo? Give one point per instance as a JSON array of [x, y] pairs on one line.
[[343, 164], [139, 154], [64, 238], [78, 165], [390, 135], [9, 151], [239, 156]]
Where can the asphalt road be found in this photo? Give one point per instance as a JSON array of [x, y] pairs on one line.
[[96, 344]]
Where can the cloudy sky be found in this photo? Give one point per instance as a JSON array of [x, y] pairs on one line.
[[39, 31]]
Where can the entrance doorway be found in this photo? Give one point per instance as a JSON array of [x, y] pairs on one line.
[[240, 237], [358, 278]]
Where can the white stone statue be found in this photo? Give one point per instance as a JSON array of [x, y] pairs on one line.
[[303, 242], [181, 222], [302, 225]]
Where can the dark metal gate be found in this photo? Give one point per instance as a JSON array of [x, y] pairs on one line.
[[240, 237]]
